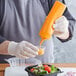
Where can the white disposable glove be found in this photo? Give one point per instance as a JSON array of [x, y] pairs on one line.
[[61, 26], [23, 49]]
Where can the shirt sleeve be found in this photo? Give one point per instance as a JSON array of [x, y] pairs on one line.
[[1, 17], [70, 19], [72, 22], [0, 12]]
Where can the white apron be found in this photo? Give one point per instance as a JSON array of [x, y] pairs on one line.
[[22, 21]]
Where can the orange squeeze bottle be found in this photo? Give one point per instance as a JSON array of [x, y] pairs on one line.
[[47, 28]]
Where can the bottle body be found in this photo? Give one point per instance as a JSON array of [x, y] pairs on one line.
[[56, 12]]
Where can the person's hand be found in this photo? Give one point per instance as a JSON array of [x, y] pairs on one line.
[[61, 27], [23, 49]]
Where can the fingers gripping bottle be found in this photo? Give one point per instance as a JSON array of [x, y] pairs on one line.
[[47, 28]]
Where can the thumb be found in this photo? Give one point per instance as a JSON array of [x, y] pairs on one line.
[[55, 26]]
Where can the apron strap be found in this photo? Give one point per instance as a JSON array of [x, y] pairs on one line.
[[2, 3], [45, 5]]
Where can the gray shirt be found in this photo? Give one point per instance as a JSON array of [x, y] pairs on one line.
[[23, 19]]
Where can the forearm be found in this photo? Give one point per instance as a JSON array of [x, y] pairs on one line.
[[4, 47]]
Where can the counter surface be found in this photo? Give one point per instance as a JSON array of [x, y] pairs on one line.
[[3, 66]]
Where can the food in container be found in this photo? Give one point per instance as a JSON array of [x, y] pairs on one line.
[[43, 70]]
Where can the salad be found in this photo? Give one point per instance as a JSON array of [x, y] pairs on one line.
[[43, 69]]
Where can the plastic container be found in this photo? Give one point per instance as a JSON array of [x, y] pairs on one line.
[[19, 62], [32, 74], [16, 62]]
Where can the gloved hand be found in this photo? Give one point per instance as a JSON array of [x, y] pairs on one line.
[[23, 49], [61, 27]]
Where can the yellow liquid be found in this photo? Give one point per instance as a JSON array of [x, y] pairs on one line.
[[40, 51]]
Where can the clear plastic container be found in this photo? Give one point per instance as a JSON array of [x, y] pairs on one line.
[[14, 62], [17, 62]]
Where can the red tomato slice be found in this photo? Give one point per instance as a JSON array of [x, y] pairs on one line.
[[48, 69], [45, 65], [32, 69]]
